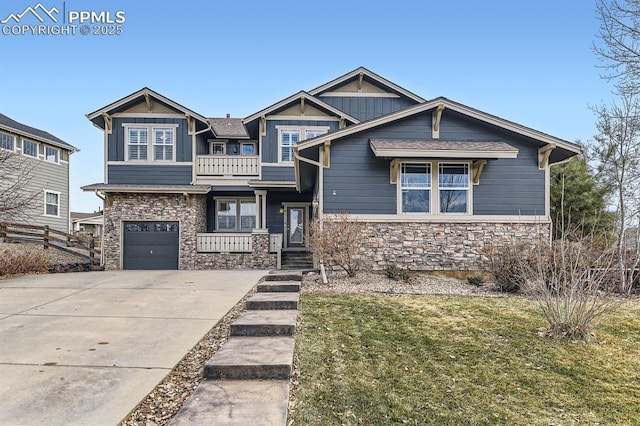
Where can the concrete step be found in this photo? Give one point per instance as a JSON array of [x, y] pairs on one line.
[[270, 301], [252, 358], [286, 276], [231, 402], [265, 323], [279, 287]]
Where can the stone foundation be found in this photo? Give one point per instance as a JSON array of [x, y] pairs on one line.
[[441, 246], [260, 258]]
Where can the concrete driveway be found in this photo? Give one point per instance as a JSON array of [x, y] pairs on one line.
[[86, 348]]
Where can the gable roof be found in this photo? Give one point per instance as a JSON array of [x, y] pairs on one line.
[[11, 125], [229, 128], [441, 148], [448, 104], [298, 96], [97, 119], [369, 74]]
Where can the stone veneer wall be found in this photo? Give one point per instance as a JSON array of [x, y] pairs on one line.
[[174, 207], [441, 246], [155, 207]]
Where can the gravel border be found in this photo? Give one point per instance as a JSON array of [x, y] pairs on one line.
[[162, 404]]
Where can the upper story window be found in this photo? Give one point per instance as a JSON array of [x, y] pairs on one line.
[[248, 148], [163, 143], [150, 143], [217, 147], [434, 187], [7, 141], [288, 136], [29, 148], [52, 154]]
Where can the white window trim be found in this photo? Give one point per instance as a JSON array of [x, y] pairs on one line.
[[238, 201], [217, 141], [434, 207], [301, 130], [33, 142], [150, 139], [253, 144], [468, 188], [15, 142], [154, 145], [55, 149], [58, 194], [430, 188]]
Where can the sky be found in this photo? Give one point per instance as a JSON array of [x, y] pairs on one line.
[[530, 62]]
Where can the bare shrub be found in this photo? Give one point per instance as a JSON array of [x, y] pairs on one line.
[[338, 242], [571, 282], [16, 199], [19, 259], [505, 263]]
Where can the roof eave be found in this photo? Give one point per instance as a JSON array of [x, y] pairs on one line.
[[57, 144]]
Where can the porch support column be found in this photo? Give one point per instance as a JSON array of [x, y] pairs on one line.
[[261, 208]]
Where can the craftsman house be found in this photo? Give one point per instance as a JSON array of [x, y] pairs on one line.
[[43, 159], [433, 180]]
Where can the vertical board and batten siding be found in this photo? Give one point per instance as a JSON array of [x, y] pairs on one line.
[[153, 173], [116, 141], [361, 181], [364, 108], [275, 219], [507, 186], [52, 177], [270, 140], [202, 145]]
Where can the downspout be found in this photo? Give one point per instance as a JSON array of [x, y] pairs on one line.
[[102, 232]]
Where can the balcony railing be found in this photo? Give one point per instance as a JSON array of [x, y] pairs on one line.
[[228, 165]]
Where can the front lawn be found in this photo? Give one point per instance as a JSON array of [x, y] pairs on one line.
[[379, 360]]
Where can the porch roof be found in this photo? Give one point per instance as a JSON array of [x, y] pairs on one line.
[[409, 148], [154, 189]]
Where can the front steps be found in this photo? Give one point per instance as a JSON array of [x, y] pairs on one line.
[[248, 378], [297, 260]]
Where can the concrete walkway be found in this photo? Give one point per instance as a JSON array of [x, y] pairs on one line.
[[86, 348]]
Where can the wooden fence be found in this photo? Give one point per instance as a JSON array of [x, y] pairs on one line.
[[51, 238]]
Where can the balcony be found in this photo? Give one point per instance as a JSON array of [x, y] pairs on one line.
[[228, 166]]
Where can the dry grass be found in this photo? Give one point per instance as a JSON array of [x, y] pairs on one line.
[[22, 259], [380, 360]]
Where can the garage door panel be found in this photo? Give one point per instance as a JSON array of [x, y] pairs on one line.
[[151, 245]]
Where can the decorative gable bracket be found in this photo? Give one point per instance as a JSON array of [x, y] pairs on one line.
[[436, 116], [543, 155], [395, 169], [478, 167], [108, 124]]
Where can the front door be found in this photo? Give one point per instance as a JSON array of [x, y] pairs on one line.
[[296, 227]]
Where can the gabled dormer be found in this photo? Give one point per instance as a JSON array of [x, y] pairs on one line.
[[365, 95], [149, 139], [284, 124]]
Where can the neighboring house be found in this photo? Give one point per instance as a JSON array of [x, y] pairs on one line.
[[89, 223], [434, 180], [47, 159]]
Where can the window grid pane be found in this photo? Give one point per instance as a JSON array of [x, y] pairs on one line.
[[29, 148], [7, 141], [51, 203], [52, 154], [163, 143], [453, 182], [289, 138], [138, 143]]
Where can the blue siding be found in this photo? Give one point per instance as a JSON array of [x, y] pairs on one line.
[[270, 140], [202, 145], [364, 108], [142, 174], [275, 220], [116, 140], [361, 181], [278, 173]]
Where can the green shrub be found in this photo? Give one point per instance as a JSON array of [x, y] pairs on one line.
[[397, 274], [19, 259], [475, 280]]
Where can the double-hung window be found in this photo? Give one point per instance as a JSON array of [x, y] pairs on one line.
[[248, 148], [288, 138], [51, 203], [138, 143], [163, 143], [7, 141], [52, 154], [217, 147], [29, 148], [415, 184], [236, 215], [453, 184]]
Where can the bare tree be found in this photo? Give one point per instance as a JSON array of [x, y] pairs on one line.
[[617, 153], [619, 49], [16, 200]]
